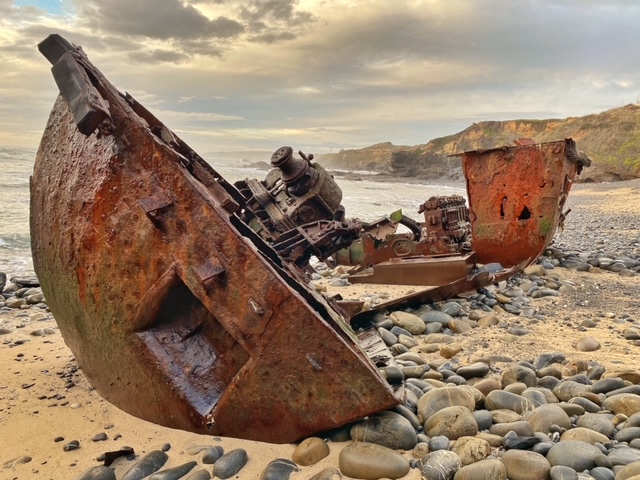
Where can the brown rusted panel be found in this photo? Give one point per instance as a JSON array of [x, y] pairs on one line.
[[516, 195], [175, 310], [432, 271]]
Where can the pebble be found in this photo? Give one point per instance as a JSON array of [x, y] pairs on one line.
[[574, 454], [370, 461], [230, 463], [388, 429], [525, 465], [146, 465], [279, 469], [99, 472], [482, 470], [439, 465], [174, 473], [310, 451], [210, 455], [452, 422]]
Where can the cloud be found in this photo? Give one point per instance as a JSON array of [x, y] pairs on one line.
[[168, 19]]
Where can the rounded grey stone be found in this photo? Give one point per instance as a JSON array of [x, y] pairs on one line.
[[369, 461], [560, 472], [452, 422], [440, 465], [230, 463], [575, 454], [525, 465], [388, 429]]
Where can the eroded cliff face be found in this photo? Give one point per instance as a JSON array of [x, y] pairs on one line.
[[611, 139]]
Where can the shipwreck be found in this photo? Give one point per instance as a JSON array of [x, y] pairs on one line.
[[186, 299]]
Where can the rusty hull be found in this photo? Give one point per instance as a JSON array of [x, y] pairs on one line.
[[176, 311], [516, 196]]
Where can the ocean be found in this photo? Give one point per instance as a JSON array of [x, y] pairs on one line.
[[362, 198]]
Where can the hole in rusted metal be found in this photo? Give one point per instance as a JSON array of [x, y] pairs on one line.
[[504, 202], [525, 214]]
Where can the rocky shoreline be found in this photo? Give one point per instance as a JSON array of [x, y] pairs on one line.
[[533, 378]]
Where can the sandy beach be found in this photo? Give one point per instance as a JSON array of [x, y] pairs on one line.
[[45, 402]]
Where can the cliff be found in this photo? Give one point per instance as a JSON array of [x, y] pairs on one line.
[[611, 139]]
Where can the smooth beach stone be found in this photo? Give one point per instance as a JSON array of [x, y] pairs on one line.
[[438, 338], [196, 449], [623, 456], [500, 399], [450, 350], [543, 417], [627, 434], [575, 454], [411, 357], [628, 471], [586, 404], [471, 449], [420, 450], [414, 372], [572, 409], [439, 442], [483, 419], [408, 414], [488, 385], [493, 440], [482, 470], [512, 441], [515, 387], [439, 398], [146, 465], [279, 469], [199, 475], [488, 321], [174, 473], [98, 473], [393, 375], [587, 435], [521, 428], [568, 389], [477, 369], [452, 422], [310, 451], [459, 326], [519, 374], [410, 322], [624, 403], [211, 454], [387, 337], [560, 472], [440, 465], [607, 385], [535, 396], [602, 473], [388, 429], [587, 344], [504, 416], [369, 461], [525, 465], [548, 358], [230, 463], [632, 376], [329, 473], [452, 308], [432, 316]]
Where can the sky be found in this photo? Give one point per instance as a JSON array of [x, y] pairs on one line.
[[229, 75]]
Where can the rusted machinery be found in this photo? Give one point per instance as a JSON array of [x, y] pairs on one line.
[[185, 299]]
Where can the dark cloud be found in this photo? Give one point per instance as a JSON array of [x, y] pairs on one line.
[[274, 20], [272, 37], [157, 56], [168, 19]]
